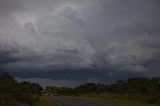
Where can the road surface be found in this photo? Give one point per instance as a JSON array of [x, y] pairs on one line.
[[70, 101]]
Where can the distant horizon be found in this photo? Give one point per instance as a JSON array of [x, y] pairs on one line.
[[45, 81]]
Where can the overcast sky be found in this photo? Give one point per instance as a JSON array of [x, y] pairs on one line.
[[86, 40]]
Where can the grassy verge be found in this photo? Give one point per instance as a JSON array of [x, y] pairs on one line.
[[125, 100], [45, 101]]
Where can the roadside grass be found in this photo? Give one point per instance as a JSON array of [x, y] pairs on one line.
[[131, 103], [45, 101], [125, 100]]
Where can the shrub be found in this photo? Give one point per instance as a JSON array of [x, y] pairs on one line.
[[153, 100]]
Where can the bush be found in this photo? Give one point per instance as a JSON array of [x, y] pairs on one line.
[[153, 100], [13, 93]]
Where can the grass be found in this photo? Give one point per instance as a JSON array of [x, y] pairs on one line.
[[45, 101], [40, 101], [125, 100]]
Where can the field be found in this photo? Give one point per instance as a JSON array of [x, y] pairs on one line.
[[125, 100]]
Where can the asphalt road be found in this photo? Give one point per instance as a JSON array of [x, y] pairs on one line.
[[70, 101]]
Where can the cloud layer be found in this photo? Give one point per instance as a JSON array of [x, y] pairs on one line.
[[72, 34]]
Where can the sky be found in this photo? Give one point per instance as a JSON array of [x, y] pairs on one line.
[[69, 42]]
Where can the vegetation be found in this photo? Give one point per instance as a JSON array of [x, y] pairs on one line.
[[134, 91], [13, 93], [133, 86], [124, 100]]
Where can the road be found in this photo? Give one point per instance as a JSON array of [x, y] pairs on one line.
[[70, 101]]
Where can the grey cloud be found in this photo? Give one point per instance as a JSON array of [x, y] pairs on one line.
[[80, 76], [98, 34], [48, 42], [134, 47]]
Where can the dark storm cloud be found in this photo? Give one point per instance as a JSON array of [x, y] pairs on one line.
[[4, 58], [75, 77], [84, 74], [49, 35]]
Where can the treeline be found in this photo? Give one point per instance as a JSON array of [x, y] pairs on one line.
[[133, 86], [13, 93]]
